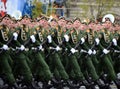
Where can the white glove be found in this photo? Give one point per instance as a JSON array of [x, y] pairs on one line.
[[40, 47], [49, 39], [83, 51], [90, 52], [82, 40], [97, 41], [116, 51], [114, 42], [57, 48], [5, 47], [105, 51], [66, 37], [33, 38], [94, 52], [15, 35], [118, 75], [73, 50], [22, 47]]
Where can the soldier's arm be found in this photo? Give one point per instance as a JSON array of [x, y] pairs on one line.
[[1, 44]]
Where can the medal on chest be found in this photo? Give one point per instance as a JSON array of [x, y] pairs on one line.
[[59, 34], [106, 37], [40, 36], [90, 38], [4, 35], [23, 35], [74, 36]]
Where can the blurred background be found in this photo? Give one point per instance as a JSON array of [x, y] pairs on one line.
[[91, 9]]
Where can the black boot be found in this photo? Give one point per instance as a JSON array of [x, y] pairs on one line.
[[86, 84], [107, 86], [56, 82], [73, 84], [117, 82], [4, 86], [47, 85], [32, 85], [100, 83], [15, 85]]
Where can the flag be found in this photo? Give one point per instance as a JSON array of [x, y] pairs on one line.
[[27, 9], [2, 7]]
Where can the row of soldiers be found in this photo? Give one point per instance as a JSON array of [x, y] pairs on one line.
[[58, 53]]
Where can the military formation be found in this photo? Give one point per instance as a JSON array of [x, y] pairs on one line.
[[59, 53]]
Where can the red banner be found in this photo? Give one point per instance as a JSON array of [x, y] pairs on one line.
[[2, 7]]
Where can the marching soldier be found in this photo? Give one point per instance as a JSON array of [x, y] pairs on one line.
[[39, 67], [21, 66], [74, 70], [59, 53], [104, 46], [5, 61], [55, 44]]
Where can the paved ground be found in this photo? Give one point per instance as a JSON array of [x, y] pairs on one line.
[[112, 86]]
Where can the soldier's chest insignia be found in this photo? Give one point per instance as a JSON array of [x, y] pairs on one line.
[[40, 36], [23, 35], [59, 38], [106, 37], [90, 38], [4, 35], [74, 37]]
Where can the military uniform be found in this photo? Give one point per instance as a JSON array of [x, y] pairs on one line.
[[75, 70], [39, 67], [6, 61], [21, 67], [57, 65]]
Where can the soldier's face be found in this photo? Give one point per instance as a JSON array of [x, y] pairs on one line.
[[28, 20], [83, 27], [69, 25], [25, 20], [6, 20], [62, 22], [11, 24], [92, 25], [76, 23], [98, 27], [42, 22], [107, 24], [45, 22], [53, 24], [117, 27]]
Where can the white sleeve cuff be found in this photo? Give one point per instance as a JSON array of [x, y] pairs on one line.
[[118, 75], [40, 47], [58, 48], [97, 41], [73, 50], [94, 52], [82, 40], [49, 39], [33, 38], [90, 52], [66, 37], [22, 47], [5, 47], [15, 35], [114, 42], [105, 51]]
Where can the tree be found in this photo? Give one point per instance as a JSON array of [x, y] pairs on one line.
[[37, 10], [96, 8]]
